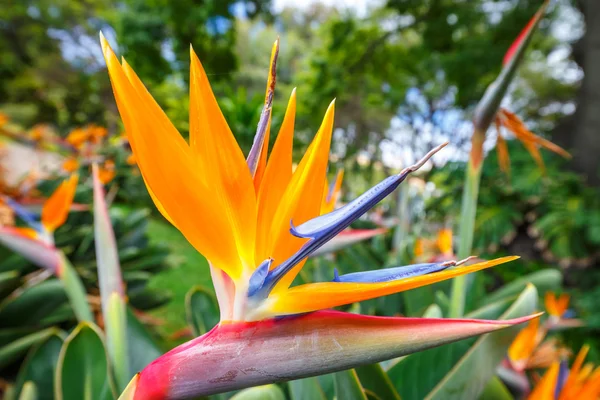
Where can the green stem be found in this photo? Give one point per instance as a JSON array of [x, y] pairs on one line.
[[466, 232], [75, 290]]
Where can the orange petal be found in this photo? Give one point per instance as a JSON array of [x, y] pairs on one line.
[[536, 155], [550, 303], [318, 296], [521, 349], [544, 390], [301, 200], [222, 163], [168, 169], [530, 140], [56, 209], [444, 241], [502, 149], [571, 387], [562, 303], [278, 173], [591, 387], [70, 165]]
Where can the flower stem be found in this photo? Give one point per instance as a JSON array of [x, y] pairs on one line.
[[467, 221]]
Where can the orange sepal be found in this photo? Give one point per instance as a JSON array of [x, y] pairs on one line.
[[56, 208]]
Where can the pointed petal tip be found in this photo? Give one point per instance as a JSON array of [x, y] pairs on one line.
[[424, 159]]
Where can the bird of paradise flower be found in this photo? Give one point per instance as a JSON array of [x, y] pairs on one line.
[[256, 222]]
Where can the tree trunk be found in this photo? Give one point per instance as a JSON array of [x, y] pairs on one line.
[[580, 133]]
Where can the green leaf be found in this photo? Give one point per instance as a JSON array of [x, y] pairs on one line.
[[40, 367], [306, 389], [9, 281], [417, 300], [545, 280], [374, 379], [142, 348], [266, 392], [111, 286], [414, 376], [29, 392], [468, 377], [32, 305], [347, 386], [83, 368], [75, 290], [495, 390], [12, 351], [202, 311]]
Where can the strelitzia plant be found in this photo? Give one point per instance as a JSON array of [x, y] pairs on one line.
[[559, 383], [487, 111], [35, 242], [560, 316], [256, 222]]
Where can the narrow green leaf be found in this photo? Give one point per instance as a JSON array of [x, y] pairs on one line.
[[14, 350], [83, 368], [29, 392], [495, 390], [111, 286], [266, 392], [40, 367], [545, 280], [306, 389], [9, 280], [75, 290], [347, 386], [470, 375], [374, 379], [140, 344], [32, 304], [202, 311], [414, 377]]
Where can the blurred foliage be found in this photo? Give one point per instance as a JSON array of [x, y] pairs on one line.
[[405, 74], [554, 217]]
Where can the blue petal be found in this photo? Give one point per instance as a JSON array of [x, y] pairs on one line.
[[323, 228], [392, 274], [569, 314], [258, 276], [563, 374], [30, 218]]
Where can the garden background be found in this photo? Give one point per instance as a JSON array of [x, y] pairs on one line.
[[406, 75]]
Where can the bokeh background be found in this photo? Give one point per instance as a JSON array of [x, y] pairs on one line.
[[406, 75]]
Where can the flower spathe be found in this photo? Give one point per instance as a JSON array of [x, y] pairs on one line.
[[256, 221]]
